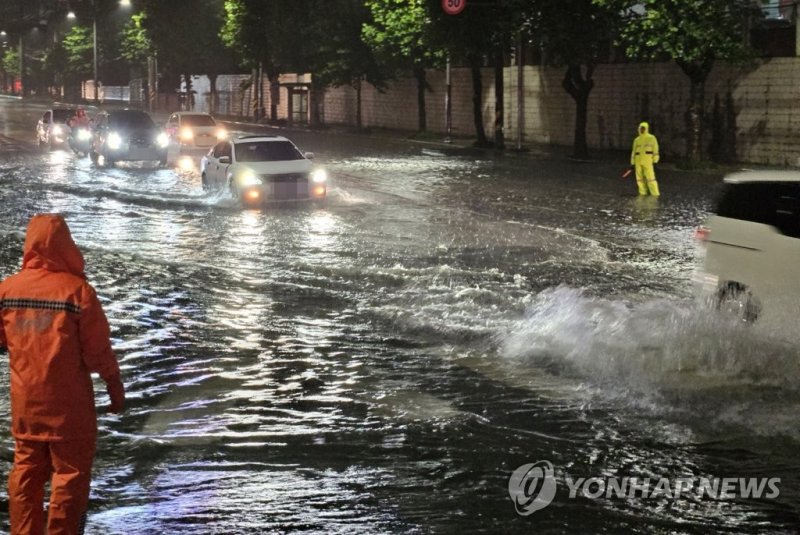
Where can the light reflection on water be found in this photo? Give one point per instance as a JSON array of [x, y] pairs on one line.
[[377, 364]]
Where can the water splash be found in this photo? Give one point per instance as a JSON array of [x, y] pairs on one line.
[[666, 355]]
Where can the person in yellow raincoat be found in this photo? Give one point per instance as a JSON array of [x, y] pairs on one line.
[[643, 155]]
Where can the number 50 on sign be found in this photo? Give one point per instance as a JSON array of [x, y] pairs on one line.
[[453, 7]]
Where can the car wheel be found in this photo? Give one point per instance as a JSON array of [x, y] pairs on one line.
[[735, 299], [204, 181], [234, 189], [93, 157], [162, 162]]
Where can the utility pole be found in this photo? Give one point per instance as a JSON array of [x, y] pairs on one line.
[[21, 65], [448, 105], [94, 47], [520, 93]]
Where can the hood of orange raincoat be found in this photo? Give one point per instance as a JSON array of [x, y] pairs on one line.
[[49, 246]]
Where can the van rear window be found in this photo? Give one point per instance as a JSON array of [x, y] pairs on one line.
[[771, 203]]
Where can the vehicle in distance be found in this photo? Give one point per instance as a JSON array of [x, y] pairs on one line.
[[127, 135], [259, 169], [52, 130], [753, 247], [194, 130]]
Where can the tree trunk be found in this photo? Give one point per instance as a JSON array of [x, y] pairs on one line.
[[499, 102], [189, 99], [317, 103], [422, 86], [212, 105], [358, 104], [477, 100], [697, 72], [694, 120], [274, 93], [579, 87]]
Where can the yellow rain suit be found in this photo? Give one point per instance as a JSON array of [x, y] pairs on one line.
[[643, 155]]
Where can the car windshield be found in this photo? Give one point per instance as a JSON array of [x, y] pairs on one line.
[[130, 120], [267, 151], [62, 116], [198, 120]]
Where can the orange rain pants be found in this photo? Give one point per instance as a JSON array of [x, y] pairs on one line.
[[68, 466]]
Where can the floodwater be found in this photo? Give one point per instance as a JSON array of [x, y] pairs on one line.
[[382, 362]]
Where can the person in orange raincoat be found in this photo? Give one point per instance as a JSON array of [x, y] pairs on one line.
[[57, 335]]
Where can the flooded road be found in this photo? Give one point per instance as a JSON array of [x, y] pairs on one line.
[[382, 362]]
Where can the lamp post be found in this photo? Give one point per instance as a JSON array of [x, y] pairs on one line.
[[71, 16], [94, 50]]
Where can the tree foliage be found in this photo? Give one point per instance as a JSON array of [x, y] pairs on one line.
[[136, 44], [693, 33], [11, 62], [400, 34], [79, 46]]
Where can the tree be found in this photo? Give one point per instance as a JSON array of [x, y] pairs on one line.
[[399, 34], [136, 44], [10, 67], [263, 35], [481, 31], [694, 33], [186, 49], [78, 44], [575, 34], [343, 58]]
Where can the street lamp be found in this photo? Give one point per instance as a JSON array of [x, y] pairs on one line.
[[71, 16]]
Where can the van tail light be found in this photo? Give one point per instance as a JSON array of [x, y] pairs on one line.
[[702, 234]]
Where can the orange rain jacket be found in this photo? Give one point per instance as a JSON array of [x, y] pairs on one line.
[[57, 335]]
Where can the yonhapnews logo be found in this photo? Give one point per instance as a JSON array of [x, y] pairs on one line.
[[533, 486]]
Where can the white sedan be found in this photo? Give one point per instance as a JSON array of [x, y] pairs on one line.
[[194, 130], [259, 169]]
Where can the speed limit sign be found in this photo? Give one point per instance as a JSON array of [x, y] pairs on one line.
[[453, 7]]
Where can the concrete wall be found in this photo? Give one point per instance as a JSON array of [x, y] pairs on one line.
[[752, 108], [762, 121]]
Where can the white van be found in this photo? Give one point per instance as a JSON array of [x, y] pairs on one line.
[[752, 263]]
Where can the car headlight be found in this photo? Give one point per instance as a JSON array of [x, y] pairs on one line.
[[249, 178], [83, 134], [187, 134], [222, 134], [162, 140], [319, 176], [114, 141], [57, 130]]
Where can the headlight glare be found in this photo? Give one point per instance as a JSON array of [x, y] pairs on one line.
[[249, 178], [222, 134], [187, 134], [319, 176], [114, 141], [162, 140], [57, 130], [83, 134]]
